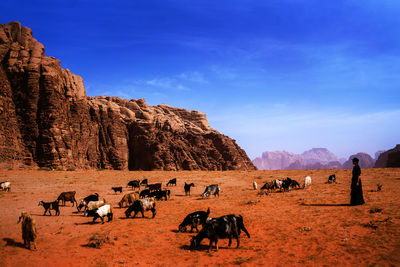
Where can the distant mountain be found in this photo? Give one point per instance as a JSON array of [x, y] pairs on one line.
[[316, 158], [366, 161], [276, 160], [389, 159]]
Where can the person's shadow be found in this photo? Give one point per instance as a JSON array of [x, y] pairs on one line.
[[325, 205], [11, 242]]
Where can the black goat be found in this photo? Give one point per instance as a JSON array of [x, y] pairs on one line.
[[86, 200], [117, 189], [187, 188], [158, 195], [144, 193], [194, 219], [48, 206], [154, 187], [294, 184], [134, 184], [228, 226], [172, 182], [269, 186], [144, 182], [286, 184]]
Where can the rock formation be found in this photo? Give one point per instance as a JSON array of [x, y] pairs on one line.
[[389, 159], [46, 120], [316, 158], [366, 161], [378, 153]]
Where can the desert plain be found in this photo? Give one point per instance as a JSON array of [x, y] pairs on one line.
[[310, 227]]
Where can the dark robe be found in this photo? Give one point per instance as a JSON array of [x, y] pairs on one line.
[[356, 190]]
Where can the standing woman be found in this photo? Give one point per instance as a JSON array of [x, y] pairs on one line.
[[356, 187]]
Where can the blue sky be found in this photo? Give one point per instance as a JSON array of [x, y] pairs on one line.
[[273, 75]]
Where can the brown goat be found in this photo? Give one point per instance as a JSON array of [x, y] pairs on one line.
[[128, 199], [67, 196], [28, 227]]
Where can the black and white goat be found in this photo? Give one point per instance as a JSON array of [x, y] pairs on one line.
[[332, 179], [211, 190], [100, 212], [86, 200], [142, 205]]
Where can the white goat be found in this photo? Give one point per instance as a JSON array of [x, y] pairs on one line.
[[92, 205], [5, 186], [278, 184], [307, 182], [255, 185]]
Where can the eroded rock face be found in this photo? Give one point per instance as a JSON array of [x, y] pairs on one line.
[[389, 159], [46, 120]]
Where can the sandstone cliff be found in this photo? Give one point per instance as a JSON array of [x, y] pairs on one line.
[[389, 159], [46, 120]]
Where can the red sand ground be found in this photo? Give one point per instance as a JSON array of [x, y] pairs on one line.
[[276, 222]]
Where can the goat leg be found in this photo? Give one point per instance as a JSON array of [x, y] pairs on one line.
[[209, 247]]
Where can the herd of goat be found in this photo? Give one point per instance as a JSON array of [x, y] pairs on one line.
[[228, 226]]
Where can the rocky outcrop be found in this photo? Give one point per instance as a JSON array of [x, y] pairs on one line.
[[316, 158], [365, 161], [46, 120], [378, 153], [389, 159]]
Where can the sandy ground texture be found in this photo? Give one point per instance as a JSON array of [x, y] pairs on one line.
[[309, 227]]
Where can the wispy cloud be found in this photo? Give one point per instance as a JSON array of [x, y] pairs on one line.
[[168, 83], [193, 76]]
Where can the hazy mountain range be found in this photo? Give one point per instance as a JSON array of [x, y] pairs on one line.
[[315, 158]]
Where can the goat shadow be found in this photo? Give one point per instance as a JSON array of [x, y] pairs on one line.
[[325, 205], [190, 234], [204, 198], [203, 248], [137, 217], [12, 243], [87, 223]]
